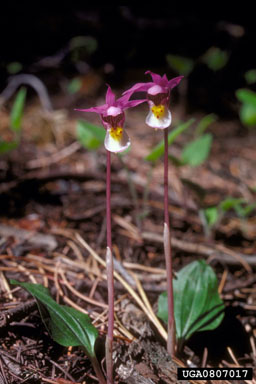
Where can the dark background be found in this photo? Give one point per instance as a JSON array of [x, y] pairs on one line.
[[131, 40]]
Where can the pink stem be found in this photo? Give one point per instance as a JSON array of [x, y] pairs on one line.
[[168, 254], [108, 201], [110, 277]]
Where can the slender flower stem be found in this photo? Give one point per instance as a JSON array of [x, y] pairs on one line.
[[110, 276], [108, 201], [168, 255]]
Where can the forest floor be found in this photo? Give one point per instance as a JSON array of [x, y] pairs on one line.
[[52, 231]]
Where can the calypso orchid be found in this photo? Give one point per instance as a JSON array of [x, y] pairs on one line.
[[113, 118], [159, 116], [116, 140], [158, 95]]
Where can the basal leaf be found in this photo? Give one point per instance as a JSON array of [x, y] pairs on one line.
[[90, 136], [66, 325], [197, 304], [17, 110], [197, 151], [158, 150]]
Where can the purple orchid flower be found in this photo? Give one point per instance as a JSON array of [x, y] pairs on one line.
[[113, 117], [158, 94]]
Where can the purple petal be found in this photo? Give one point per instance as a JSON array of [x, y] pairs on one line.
[[139, 87], [133, 103], [164, 78], [101, 109], [123, 99], [174, 82], [110, 97], [124, 103], [155, 77]]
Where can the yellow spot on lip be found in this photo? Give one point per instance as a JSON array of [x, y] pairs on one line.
[[116, 133], [158, 111]]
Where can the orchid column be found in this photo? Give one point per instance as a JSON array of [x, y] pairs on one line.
[[116, 140], [159, 117]]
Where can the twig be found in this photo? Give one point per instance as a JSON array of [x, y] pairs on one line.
[[55, 157], [34, 82], [60, 368], [125, 284], [17, 313], [80, 295], [219, 252], [34, 238]]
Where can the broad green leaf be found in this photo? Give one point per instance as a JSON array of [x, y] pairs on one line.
[[215, 58], [182, 65], [250, 76], [66, 325], [197, 304], [230, 203], [247, 115], [158, 150], [17, 110], [90, 136], [246, 96], [6, 146], [204, 123], [197, 151]]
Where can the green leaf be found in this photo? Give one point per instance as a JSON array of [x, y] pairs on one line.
[[158, 150], [17, 110], [230, 203], [197, 304], [6, 146], [250, 76], [74, 85], [175, 160], [245, 211], [204, 123], [247, 115], [211, 215], [215, 58], [246, 96], [14, 67], [90, 136], [88, 43], [182, 65], [197, 151], [66, 325]]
